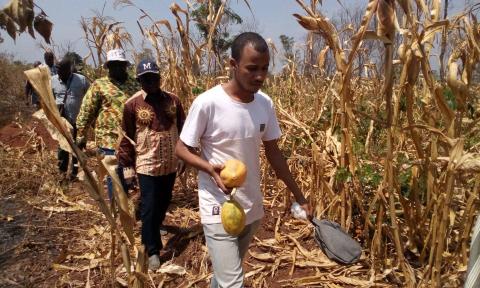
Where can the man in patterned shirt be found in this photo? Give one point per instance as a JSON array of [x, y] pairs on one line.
[[103, 104], [152, 121]]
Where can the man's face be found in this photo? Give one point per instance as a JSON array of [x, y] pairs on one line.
[[117, 70], [150, 82], [64, 72], [251, 69], [49, 59]]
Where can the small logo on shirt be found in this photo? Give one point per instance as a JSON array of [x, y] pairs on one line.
[[262, 127], [215, 210]]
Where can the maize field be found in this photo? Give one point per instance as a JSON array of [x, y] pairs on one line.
[[388, 149]]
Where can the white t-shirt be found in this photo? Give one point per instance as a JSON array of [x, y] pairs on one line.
[[224, 129]]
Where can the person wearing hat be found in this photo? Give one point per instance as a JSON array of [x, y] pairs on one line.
[[152, 121], [103, 104]]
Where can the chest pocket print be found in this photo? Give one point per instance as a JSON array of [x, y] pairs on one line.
[[262, 127], [144, 115]]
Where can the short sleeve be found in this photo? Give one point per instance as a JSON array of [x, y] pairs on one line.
[[195, 124], [272, 131]]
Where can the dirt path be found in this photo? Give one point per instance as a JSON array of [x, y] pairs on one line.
[[52, 235]]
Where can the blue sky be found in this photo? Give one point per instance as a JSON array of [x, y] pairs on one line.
[[270, 17]]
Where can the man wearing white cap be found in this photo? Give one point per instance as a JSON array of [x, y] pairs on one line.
[[103, 105]]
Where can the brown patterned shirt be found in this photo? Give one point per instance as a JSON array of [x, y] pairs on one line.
[[153, 123]]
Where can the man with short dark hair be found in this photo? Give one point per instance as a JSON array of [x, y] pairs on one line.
[[232, 120], [103, 104], [153, 119], [49, 58], [68, 89]]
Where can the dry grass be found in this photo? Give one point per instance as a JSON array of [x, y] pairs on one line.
[[12, 84], [393, 159]]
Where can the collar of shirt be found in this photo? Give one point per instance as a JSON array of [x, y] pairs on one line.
[[160, 96], [69, 80]]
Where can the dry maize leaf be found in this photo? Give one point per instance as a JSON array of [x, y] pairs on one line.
[[93, 264], [469, 163], [43, 26], [435, 12], [322, 56], [41, 81], [54, 133], [3, 19], [319, 24], [302, 250], [262, 256], [278, 237], [471, 35], [310, 263], [372, 35], [172, 269], [166, 23], [31, 31], [421, 4], [275, 266], [7, 218], [11, 28], [371, 6], [350, 281], [122, 282], [12, 9], [59, 209], [126, 258], [452, 217], [141, 265], [174, 8], [294, 259], [406, 6], [127, 220], [455, 154], [431, 30], [459, 89], [386, 19], [21, 21], [254, 272], [270, 243], [402, 53]]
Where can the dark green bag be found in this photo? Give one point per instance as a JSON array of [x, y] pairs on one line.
[[335, 243]]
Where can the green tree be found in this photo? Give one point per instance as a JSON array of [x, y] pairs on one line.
[[221, 40]]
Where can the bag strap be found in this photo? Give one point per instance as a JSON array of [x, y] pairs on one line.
[[69, 82], [315, 222]]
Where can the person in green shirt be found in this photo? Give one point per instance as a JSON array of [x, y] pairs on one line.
[[102, 107]]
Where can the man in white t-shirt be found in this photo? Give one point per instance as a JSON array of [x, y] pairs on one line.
[[232, 120]]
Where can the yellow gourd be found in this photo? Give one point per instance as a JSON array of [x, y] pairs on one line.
[[234, 173], [233, 216]]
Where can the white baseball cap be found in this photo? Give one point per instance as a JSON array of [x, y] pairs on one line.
[[116, 55]]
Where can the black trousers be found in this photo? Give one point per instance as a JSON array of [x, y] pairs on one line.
[[64, 157], [156, 194]]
